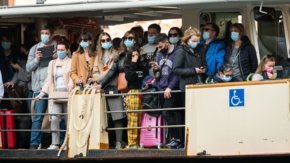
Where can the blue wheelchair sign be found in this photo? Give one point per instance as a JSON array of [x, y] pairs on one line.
[[237, 97]]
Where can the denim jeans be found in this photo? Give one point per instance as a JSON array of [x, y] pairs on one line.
[[39, 107], [30, 94]]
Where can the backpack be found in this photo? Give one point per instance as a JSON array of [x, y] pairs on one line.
[[150, 101]]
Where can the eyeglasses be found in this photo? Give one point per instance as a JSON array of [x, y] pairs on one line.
[[173, 34], [207, 29], [105, 40], [128, 38]]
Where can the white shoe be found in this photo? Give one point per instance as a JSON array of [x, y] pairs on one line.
[[40, 146], [53, 147]]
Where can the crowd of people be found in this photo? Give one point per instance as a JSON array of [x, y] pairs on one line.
[[172, 60]]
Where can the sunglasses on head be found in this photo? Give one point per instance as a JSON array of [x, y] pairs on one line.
[[207, 29], [105, 40], [173, 34], [128, 38]]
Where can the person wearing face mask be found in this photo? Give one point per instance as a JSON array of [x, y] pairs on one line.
[[189, 62], [58, 80], [106, 56], [174, 35], [21, 77], [8, 58], [110, 80], [240, 53], [167, 82], [214, 50], [224, 74], [83, 60], [150, 48], [266, 66], [38, 80], [139, 32]]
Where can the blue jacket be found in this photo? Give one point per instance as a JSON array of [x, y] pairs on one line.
[[214, 54]]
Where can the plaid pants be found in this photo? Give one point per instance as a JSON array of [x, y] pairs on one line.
[[134, 119]]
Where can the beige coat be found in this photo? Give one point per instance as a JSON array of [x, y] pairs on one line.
[[79, 68], [49, 85], [99, 70]]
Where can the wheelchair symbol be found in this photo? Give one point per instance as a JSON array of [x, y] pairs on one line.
[[235, 100]]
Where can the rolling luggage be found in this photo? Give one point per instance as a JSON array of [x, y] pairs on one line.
[[151, 137], [7, 122]]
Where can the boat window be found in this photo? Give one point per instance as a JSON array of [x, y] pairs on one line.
[[271, 37], [222, 19]]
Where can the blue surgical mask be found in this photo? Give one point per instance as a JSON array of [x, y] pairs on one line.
[[205, 35], [192, 44], [227, 78], [45, 38], [5, 45], [173, 40], [150, 39], [234, 36], [129, 43], [139, 41], [84, 45], [61, 54], [106, 45], [96, 47]]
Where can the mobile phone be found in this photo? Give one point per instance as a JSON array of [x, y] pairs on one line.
[[152, 62]]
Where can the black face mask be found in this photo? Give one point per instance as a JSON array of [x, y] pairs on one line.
[[164, 50]]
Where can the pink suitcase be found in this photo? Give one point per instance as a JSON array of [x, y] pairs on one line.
[[151, 137]]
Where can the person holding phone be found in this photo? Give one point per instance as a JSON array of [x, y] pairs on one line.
[[38, 80]]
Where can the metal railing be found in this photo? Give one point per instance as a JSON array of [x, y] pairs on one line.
[[105, 112]]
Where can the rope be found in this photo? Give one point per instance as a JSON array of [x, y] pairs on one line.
[[71, 95], [85, 133]]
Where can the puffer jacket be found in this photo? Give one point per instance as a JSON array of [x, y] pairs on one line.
[[248, 61], [184, 65]]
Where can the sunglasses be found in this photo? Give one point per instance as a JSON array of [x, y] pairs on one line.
[[105, 40], [85, 40], [207, 29], [128, 38], [173, 34]]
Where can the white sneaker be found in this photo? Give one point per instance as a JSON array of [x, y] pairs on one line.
[[40, 146], [53, 147]]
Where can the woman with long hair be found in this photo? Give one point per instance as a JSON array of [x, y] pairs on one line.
[[83, 59], [106, 56], [266, 65]]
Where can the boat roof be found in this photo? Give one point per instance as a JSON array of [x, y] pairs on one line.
[[107, 12]]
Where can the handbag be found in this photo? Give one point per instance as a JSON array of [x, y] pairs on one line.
[[122, 83], [18, 106]]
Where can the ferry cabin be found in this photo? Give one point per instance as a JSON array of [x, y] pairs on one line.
[[267, 24]]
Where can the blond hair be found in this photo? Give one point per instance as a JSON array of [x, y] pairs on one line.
[[100, 50], [191, 31], [264, 60]]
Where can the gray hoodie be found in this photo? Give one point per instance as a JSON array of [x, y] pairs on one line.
[[39, 73]]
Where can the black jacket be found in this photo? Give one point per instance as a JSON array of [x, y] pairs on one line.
[[248, 61], [184, 65], [116, 68], [135, 74]]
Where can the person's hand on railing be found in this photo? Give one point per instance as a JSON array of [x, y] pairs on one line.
[[97, 86], [8, 84], [79, 81], [37, 98], [70, 88], [167, 93]]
